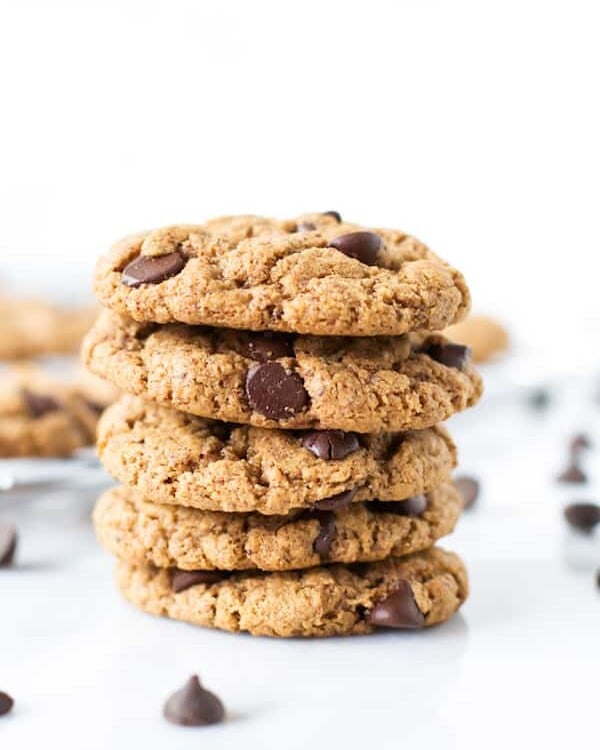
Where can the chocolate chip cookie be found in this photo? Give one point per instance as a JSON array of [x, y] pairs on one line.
[[177, 458], [313, 274], [406, 593], [140, 531], [359, 384]]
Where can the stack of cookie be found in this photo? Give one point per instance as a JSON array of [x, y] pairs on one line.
[[282, 464]]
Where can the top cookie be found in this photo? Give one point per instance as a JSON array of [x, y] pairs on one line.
[[315, 274]]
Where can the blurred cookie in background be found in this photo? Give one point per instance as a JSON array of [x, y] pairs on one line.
[[485, 336]]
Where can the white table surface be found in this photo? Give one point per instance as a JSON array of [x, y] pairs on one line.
[[519, 665]]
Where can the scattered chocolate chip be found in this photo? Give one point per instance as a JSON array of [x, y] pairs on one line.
[[324, 539], [336, 501], [468, 488], [6, 703], [579, 443], [539, 399], [583, 516], [412, 506], [193, 706], [398, 610], [330, 445], [274, 392], [185, 579], [450, 355], [306, 226], [363, 246], [150, 269], [8, 544], [334, 214], [38, 404], [573, 474], [264, 347]]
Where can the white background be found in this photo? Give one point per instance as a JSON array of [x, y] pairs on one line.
[[473, 125]]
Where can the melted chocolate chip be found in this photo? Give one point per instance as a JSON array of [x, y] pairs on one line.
[[265, 347], [583, 516], [306, 226], [6, 703], [193, 706], [150, 269], [363, 246], [185, 579], [38, 405], [8, 544], [398, 610], [450, 355], [333, 214], [330, 445], [336, 501], [324, 539], [412, 506], [274, 392], [468, 488], [573, 474]]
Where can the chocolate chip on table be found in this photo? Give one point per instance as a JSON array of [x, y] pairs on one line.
[[412, 506], [151, 269], [306, 226], [324, 539], [468, 488], [363, 246], [573, 474], [38, 405], [193, 706], [398, 610], [330, 445], [336, 502], [274, 392], [579, 442], [8, 544], [539, 398], [265, 347], [334, 214], [185, 579], [583, 516], [6, 703], [450, 355]]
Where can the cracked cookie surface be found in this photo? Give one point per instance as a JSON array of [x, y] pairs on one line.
[[139, 531], [301, 275], [359, 384], [177, 458]]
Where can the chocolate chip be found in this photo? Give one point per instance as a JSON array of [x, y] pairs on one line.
[[8, 544], [193, 706], [363, 246], [150, 269], [306, 226], [579, 443], [539, 399], [583, 516], [324, 539], [39, 405], [450, 355], [412, 506], [185, 579], [468, 488], [334, 214], [6, 703], [264, 347], [330, 445], [398, 610], [336, 501], [573, 474], [274, 392]]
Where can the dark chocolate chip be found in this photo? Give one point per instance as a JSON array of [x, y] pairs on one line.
[[334, 214], [363, 246], [6, 703], [573, 474], [330, 445], [151, 269], [8, 544], [38, 405], [274, 392], [539, 399], [193, 706], [583, 516], [185, 579], [398, 610], [306, 226], [335, 502], [579, 443], [412, 506], [265, 347], [324, 539], [468, 488], [450, 355]]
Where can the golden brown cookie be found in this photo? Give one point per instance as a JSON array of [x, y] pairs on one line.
[[486, 338], [268, 380], [313, 274], [407, 592]]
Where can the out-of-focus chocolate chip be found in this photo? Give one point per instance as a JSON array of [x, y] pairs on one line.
[[539, 399], [341, 500], [330, 445], [579, 442], [8, 544], [274, 392], [150, 269], [38, 405], [398, 610], [193, 706], [468, 488], [450, 355], [573, 474], [6, 703], [267, 346], [363, 246], [185, 579], [412, 506], [583, 516]]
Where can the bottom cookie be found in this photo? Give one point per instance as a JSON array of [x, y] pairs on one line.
[[410, 592]]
